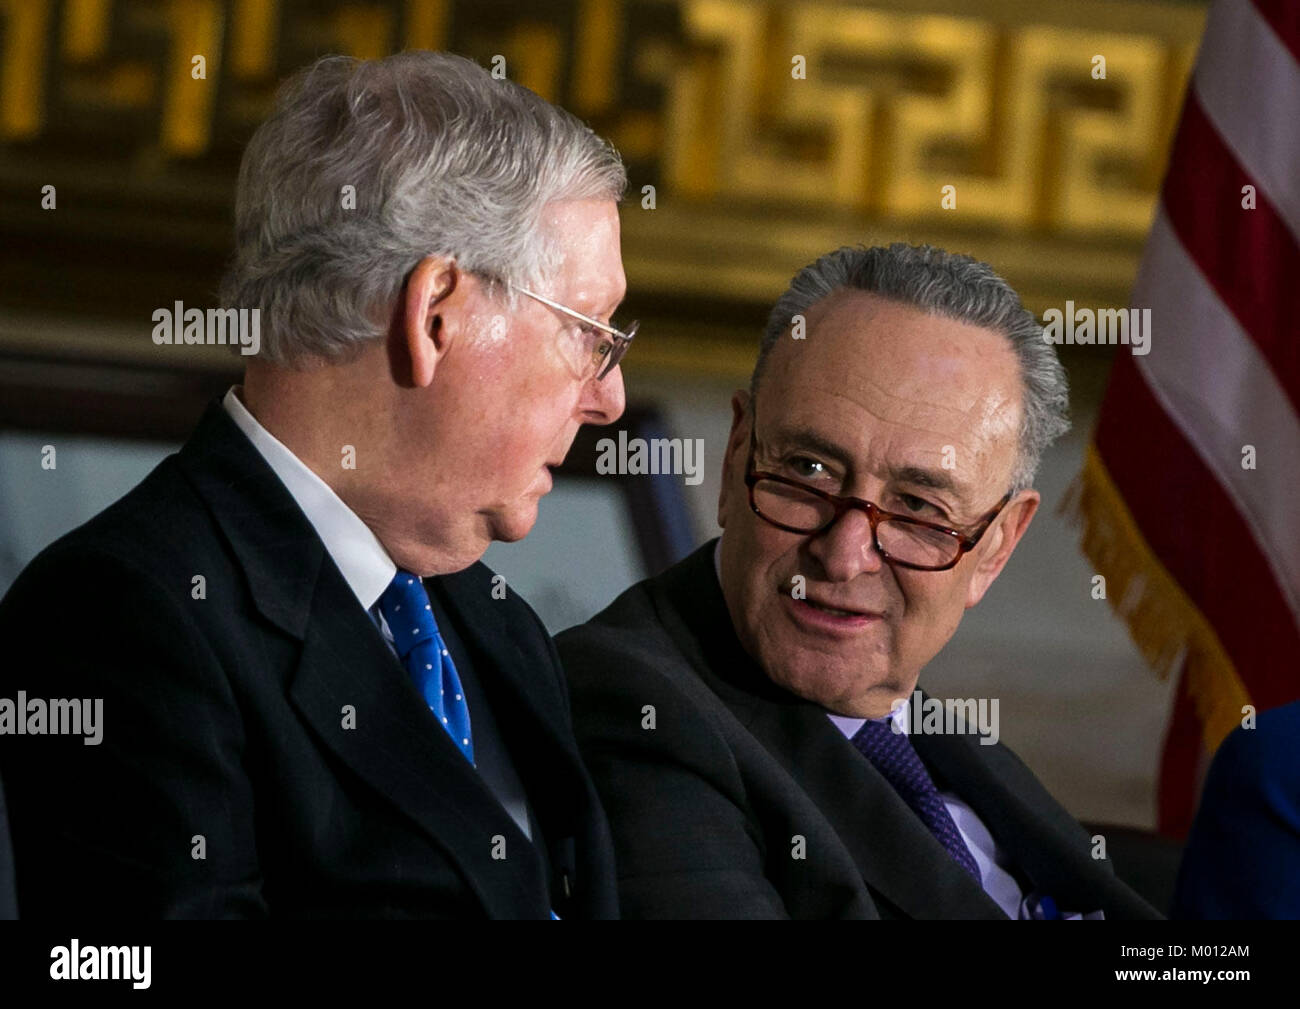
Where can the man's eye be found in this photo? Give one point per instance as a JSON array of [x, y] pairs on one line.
[[917, 505], [803, 466], [604, 346]]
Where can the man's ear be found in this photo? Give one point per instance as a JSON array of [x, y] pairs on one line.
[[735, 441], [433, 293], [1000, 541]]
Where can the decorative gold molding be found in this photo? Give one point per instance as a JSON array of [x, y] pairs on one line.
[[755, 169]]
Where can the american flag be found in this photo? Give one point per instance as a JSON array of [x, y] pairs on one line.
[[1188, 496]]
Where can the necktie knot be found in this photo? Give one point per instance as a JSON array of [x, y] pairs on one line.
[[405, 606], [409, 615], [894, 756]]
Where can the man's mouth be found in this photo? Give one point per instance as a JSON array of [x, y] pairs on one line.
[[823, 616], [835, 610]]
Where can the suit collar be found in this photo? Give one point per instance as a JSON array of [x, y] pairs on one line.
[[279, 552], [1052, 858]]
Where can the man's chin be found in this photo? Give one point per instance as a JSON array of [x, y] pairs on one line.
[[515, 524], [843, 688]]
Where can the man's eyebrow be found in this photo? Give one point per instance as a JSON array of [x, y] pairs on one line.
[[921, 476], [802, 437]]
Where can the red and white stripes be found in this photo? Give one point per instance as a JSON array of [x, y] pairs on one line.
[[1221, 275]]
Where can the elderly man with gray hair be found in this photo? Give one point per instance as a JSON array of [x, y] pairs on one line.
[[317, 702], [752, 717]]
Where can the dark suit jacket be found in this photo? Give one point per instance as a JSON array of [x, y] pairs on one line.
[[225, 717], [1242, 859], [709, 806], [8, 895]]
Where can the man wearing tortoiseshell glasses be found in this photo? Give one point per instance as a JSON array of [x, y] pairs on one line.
[[751, 716]]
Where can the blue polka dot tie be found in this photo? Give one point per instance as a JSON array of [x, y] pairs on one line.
[[896, 758], [405, 605]]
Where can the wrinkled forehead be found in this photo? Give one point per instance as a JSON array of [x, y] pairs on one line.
[[874, 373]]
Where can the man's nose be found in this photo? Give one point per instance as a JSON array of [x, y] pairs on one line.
[[603, 400], [847, 549]]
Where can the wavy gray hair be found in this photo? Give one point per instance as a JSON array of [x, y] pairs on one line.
[[444, 159], [953, 286]]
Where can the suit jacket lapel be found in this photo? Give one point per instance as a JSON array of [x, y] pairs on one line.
[[897, 855], [1053, 858], [529, 696], [399, 748], [525, 697], [396, 747]]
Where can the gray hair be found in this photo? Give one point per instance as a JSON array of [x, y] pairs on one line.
[[953, 286], [444, 159]]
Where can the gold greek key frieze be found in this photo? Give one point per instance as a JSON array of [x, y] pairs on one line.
[[891, 107], [895, 100]]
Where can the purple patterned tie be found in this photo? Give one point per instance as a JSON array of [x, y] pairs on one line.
[[894, 756]]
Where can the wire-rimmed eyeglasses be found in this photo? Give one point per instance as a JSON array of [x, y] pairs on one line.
[[607, 353]]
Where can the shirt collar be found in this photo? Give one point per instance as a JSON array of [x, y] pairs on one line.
[[355, 549], [850, 726]]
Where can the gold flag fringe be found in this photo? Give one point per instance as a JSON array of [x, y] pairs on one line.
[[1162, 621]]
